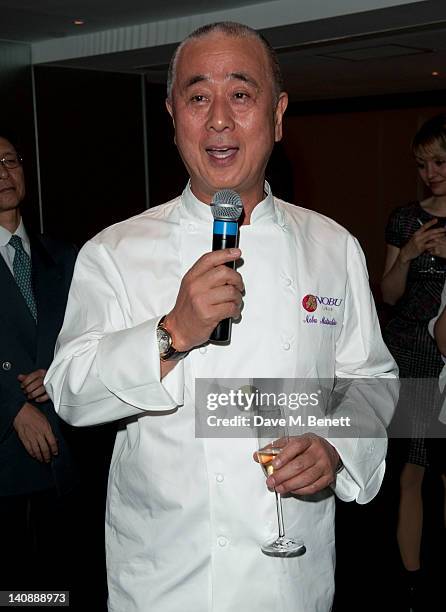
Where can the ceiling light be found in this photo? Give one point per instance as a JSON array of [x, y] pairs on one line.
[[78, 22], [435, 73]]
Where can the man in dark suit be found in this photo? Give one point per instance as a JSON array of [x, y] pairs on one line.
[[36, 471]]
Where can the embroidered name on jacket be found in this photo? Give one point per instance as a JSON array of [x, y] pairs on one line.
[[325, 305]]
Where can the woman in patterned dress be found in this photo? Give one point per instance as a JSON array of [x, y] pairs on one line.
[[414, 275]]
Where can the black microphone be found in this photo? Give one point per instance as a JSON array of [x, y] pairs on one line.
[[226, 209]]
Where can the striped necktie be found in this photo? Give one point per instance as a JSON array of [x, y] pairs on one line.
[[21, 267]]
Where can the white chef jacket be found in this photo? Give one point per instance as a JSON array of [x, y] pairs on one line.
[[442, 377], [186, 516]]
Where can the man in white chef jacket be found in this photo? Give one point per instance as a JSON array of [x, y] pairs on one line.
[[186, 516]]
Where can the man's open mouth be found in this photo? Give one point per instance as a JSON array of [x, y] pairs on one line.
[[221, 152]]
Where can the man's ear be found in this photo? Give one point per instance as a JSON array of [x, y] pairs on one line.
[[170, 111], [169, 107], [281, 105]]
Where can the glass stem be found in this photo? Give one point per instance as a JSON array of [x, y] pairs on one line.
[[280, 515]]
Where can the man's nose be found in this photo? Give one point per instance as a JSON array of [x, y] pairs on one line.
[[220, 116]]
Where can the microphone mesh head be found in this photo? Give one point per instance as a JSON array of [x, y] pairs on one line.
[[226, 205]]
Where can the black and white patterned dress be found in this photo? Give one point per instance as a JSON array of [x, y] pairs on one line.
[[407, 335]]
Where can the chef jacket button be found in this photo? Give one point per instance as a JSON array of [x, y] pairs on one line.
[[219, 478], [6, 365], [222, 541], [286, 346], [191, 227], [203, 350], [288, 282]]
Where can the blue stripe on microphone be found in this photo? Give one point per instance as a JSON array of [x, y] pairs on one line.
[[227, 228]]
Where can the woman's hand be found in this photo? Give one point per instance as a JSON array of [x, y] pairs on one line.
[[423, 240], [437, 246]]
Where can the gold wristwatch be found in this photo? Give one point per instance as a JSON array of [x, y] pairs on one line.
[[166, 348]]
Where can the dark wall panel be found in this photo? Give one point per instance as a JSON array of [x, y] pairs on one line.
[[356, 167], [91, 149], [167, 175]]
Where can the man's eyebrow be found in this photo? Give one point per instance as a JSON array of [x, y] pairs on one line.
[[246, 78], [197, 78], [240, 76]]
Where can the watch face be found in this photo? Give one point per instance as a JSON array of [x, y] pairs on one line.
[[164, 340]]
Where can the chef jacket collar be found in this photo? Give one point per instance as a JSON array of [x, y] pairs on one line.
[[199, 211]]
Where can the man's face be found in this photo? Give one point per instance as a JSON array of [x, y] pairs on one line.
[[12, 182], [224, 115]]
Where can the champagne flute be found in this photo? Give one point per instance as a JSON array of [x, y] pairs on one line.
[[271, 440]]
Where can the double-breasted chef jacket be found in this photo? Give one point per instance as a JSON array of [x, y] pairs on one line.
[[186, 516]]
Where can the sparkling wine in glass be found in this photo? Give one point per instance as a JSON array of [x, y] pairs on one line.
[[271, 441]]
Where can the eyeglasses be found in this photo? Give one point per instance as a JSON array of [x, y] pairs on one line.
[[11, 161]]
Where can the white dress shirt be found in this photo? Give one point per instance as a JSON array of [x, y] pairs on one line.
[[7, 251]]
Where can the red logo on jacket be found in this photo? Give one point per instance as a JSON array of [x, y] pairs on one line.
[[309, 302]]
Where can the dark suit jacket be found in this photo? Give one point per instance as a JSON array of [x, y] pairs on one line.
[[25, 347]]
